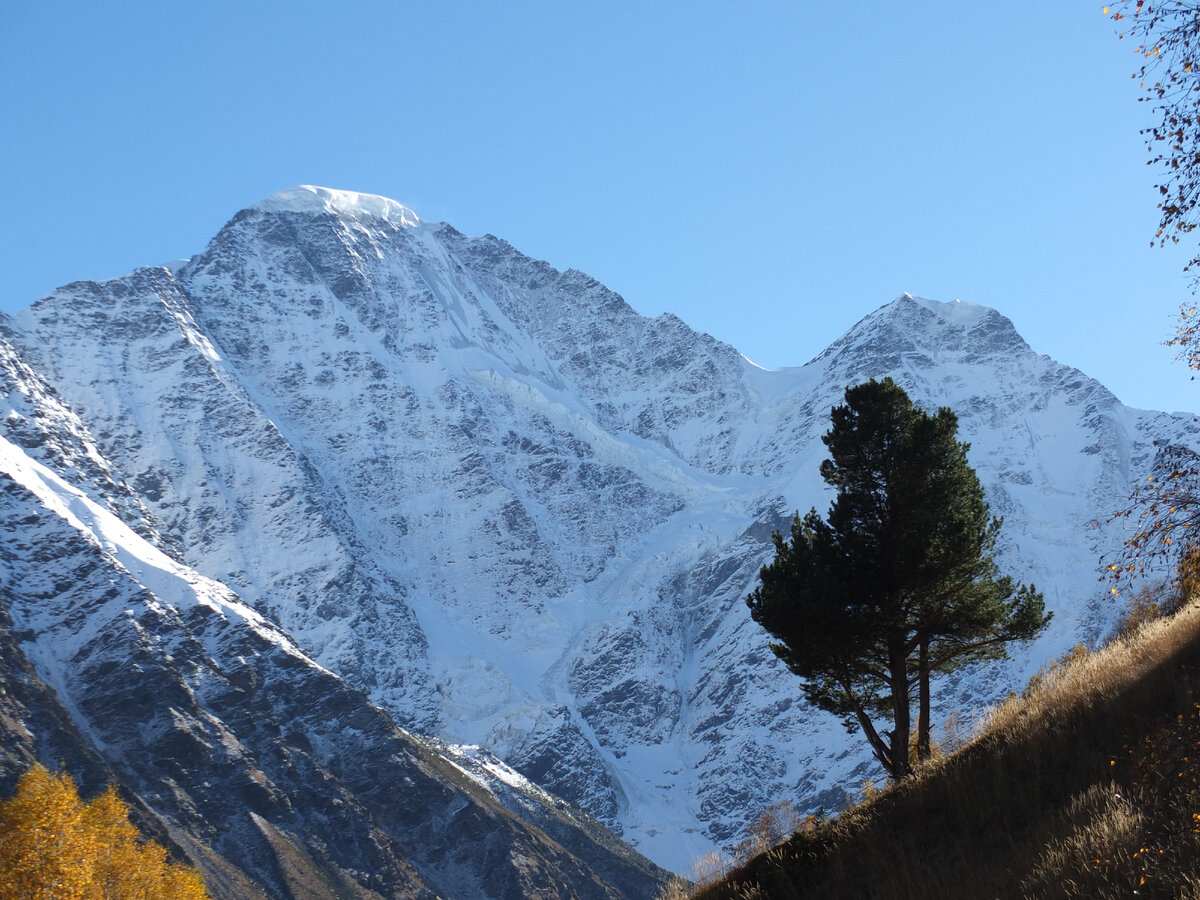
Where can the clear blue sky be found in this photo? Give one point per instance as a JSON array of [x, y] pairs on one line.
[[769, 171]]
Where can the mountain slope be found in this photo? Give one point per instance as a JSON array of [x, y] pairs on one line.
[[518, 515], [275, 777], [1085, 786]]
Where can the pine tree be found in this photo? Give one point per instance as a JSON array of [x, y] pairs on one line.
[[898, 582]]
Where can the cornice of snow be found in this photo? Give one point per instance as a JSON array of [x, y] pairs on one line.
[[308, 198]]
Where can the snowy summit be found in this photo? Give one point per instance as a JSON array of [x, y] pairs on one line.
[[309, 198]]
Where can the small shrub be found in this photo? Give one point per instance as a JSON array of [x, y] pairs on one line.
[[1163, 598], [1152, 602], [777, 822], [955, 733], [678, 888], [1053, 671], [1187, 575]]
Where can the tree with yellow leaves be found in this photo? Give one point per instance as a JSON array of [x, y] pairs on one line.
[[53, 846]]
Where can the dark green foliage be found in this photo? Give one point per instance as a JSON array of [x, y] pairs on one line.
[[898, 582]]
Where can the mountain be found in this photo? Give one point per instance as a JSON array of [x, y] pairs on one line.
[[270, 773], [517, 515]]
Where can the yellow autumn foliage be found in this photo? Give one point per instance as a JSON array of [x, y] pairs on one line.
[[53, 846]]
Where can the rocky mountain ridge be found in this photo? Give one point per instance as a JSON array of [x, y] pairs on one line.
[[268, 772], [516, 514]]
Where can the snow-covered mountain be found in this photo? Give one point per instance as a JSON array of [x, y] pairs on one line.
[[267, 771], [516, 514]]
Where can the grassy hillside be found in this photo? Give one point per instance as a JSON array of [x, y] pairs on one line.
[[1086, 786]]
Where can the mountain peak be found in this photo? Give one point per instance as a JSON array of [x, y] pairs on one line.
[[957, 318], [309, 198], [927, 333], [956, 312]]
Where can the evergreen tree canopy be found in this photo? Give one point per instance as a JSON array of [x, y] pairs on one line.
[[898, 581]]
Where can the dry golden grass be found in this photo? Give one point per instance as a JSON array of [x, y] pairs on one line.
[[1087, 785], [1082, 679], [707, 870]]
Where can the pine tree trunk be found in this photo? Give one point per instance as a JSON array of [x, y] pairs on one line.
[[924, 742], [879, 747], [901, 710]]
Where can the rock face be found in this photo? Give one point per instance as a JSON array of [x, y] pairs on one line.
[[509, 511], [270, 773]]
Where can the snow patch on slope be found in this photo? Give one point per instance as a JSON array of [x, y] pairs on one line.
[[166, 579]]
